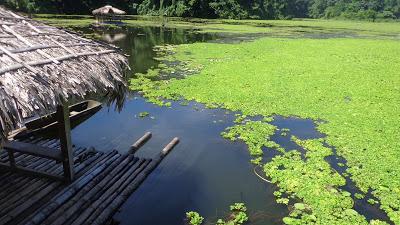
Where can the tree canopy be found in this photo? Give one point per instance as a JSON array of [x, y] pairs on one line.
[[232, 9]]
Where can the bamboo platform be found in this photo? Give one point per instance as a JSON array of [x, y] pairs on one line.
[[104, 182]]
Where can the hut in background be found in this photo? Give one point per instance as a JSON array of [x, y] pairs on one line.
[[108, 14]]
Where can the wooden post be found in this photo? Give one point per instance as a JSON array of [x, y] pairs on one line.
[[64, 129], [11, 158]]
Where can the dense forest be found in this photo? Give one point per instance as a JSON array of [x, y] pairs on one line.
[[234, 9]]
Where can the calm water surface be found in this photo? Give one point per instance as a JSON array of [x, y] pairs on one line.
[[204, 173]]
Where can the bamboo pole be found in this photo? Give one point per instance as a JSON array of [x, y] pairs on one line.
[[16, 200], [23, 182], [74, 204], [34, 182], [33, 48], [100, 189], [132, 186], [61, 58], [29, 202], [13, 18], [96, 207], [34, 187], [72, 189], [17, 59], [83, 167], [139, 143], [49, 38], [15, 15], [19, 37]]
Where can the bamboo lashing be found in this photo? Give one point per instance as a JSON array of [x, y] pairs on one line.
[[28, 49], [22, 64], [50, 38], [19, 37], [15, 15], [12, 18], [61, 58]]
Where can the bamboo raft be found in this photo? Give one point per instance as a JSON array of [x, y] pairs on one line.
[[104, 182]]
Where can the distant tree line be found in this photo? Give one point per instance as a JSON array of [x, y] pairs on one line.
[[232, 9]]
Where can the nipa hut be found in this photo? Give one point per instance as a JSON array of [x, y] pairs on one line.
[[41, 66], [108, 14]]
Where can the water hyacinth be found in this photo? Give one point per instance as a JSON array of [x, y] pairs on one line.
[[350, 84]]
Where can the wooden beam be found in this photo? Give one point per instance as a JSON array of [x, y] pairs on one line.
[[32, 149], [64, 128], [29, 172], [11, 158]]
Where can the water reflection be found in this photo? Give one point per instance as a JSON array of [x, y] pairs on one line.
[[204, 172], [112, 38], [138, 43]]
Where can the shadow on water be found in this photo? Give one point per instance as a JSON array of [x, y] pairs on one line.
[[205, 172]]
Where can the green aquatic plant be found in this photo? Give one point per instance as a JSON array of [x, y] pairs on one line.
[[238, 216], [194, 218], [256, 134], [284, 201], [144, 114], [184, 103], [308, 78], [238, 207], [314, 183], [256, 161], [358, 196]]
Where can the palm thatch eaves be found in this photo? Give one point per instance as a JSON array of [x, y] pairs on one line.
[[42, 66]]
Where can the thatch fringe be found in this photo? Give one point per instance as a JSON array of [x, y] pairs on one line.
[[41, 66]]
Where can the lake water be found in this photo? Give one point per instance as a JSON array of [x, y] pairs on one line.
[[205, 172]]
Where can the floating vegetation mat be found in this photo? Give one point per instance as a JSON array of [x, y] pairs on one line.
[[350, 87]]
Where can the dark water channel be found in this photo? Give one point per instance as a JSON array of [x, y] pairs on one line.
[[205, 172]]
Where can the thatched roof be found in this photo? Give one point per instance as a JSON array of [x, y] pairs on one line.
[[108, 10], [40, 66]]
